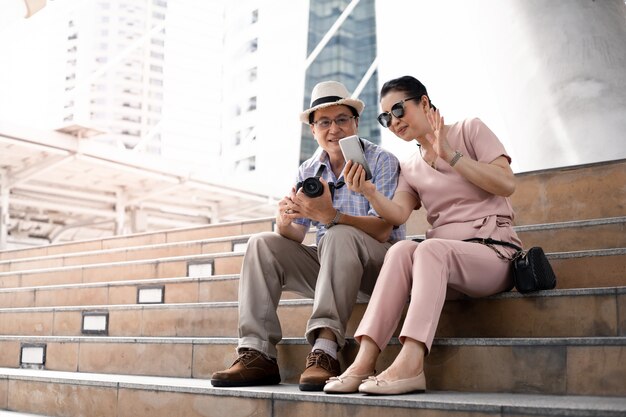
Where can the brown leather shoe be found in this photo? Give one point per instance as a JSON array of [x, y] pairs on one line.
[[251, 368], [320, 367]]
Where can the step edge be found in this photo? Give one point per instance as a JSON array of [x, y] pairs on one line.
[[443, 400], [571, 292], [164, 231], [211, 256], [123, 283], [602, 341], [128, 248]]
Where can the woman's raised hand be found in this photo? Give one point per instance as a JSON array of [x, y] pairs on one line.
[[354, 176], [439, 138]]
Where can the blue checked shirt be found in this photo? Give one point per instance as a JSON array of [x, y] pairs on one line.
[[385, 170]]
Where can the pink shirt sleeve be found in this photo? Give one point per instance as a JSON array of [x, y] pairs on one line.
[[481, 142], [406, 169]]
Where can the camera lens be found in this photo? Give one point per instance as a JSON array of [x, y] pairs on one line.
[[312, 187]]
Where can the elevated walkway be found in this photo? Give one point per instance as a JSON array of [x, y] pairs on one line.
[[128, 326]]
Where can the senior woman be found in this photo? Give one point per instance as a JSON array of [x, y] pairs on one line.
[[461, 174]]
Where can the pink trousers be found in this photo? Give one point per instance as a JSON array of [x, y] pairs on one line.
[[427, 272]]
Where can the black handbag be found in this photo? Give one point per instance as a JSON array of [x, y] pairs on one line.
[[531, 268]]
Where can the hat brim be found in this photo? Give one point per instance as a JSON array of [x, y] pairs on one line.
[[357, 104]]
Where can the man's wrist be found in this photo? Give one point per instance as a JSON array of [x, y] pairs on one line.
[[334, 221]]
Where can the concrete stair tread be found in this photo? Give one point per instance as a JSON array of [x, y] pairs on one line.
[[497, 403], [231, 279], [16, 414], [207, 256], [555, 366], [286, 302], [447, 341], [211, 256], [104, 243], [234, 238], [571, 224], [131, 249], [146, 281]]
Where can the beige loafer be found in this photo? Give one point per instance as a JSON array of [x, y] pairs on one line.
[[347, 384], [375, 386]]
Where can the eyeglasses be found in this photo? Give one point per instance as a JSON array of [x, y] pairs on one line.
[[340, 121], [397, 110]]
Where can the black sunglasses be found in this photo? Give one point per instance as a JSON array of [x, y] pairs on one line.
[[397, 110]]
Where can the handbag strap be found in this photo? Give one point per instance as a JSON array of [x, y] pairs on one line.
[[490, 242]]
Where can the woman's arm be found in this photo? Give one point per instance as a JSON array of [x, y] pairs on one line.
[[496, 177], [395, 211]]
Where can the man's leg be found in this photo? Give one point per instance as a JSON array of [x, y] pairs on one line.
[[350, 260], [271, 263]]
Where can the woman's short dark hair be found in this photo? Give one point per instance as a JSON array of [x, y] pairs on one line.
[[407, 84]]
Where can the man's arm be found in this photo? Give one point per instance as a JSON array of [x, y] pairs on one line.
[[284, 225], [321, 210], [293, 231]]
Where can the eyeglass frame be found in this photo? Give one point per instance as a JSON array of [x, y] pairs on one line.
[[342, 124], [385, 117]]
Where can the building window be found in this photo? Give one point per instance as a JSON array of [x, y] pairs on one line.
[[252, 74], [253, 45], [252, 103], [246, 165]]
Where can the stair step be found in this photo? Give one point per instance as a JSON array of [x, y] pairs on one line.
[[16, 414], [553, 237], [171, 267], [576, 235], [597, 313], [135, 253], [539, 365], [175, 290], [577, 269], [590, 191], [122, 395], [144, 239]]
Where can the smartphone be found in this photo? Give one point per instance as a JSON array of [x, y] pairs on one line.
[[352, 150]]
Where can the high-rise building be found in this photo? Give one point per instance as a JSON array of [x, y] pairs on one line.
[[348, 56], [263, 78], [115, 70]]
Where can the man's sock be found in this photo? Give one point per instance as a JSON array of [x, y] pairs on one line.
[[327, 346]]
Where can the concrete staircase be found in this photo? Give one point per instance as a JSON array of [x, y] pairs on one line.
[[135, 325]]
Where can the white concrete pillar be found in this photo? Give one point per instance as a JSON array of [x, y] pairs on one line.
[[120, 212], [138, 220]]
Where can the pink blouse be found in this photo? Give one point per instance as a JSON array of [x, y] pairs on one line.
[[456, 208]]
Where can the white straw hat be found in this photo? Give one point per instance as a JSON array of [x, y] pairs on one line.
[[330, 93]]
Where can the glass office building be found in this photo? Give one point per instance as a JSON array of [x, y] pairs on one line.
[[346, 58]]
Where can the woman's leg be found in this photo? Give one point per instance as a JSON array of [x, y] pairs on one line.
[[384, 308], [470, 268], [365, 361]]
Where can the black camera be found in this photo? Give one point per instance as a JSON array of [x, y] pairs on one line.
[[312, 187]]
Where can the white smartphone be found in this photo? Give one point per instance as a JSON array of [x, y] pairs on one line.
[[352, 150]]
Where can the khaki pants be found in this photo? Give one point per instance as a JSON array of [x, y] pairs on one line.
[[347, 261]]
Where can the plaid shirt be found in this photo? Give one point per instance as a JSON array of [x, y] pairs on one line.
[[385, 171]]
